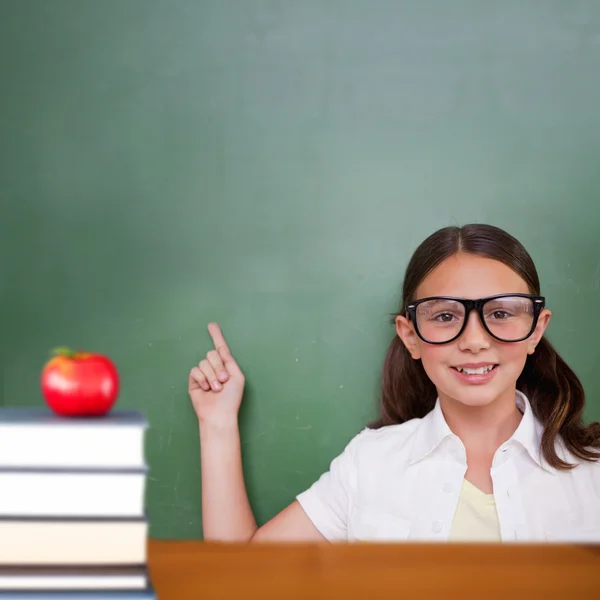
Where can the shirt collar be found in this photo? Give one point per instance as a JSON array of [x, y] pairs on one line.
[[430, 433], [529, 433], [433, 429]]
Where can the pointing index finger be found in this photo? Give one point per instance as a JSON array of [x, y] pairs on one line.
[[217, 338]]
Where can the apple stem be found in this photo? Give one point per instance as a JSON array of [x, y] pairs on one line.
[[64, 351]]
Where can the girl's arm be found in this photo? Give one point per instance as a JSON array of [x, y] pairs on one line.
[[226, 512]]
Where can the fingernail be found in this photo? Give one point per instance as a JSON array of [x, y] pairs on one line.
[[217, 385], [223, 376]]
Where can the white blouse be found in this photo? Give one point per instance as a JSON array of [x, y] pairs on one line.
[[403, 482]]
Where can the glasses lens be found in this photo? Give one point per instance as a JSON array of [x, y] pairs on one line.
[[510, 318], [440, 320]]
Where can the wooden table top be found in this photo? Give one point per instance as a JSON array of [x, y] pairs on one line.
[[192, 569]]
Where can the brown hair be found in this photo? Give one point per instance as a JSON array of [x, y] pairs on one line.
[[556, 395]]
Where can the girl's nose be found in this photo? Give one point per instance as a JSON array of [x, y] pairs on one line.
[[474, 338]]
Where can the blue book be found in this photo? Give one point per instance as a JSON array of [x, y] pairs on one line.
[[36, 437], [108, 578], [147, 594]]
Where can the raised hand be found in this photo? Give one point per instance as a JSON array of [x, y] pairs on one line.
[[216, 384]]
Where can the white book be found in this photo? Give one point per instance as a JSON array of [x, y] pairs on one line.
[[53, 542], [75, 493], [36, 437]]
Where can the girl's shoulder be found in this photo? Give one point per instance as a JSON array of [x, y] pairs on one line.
[[371, 443]]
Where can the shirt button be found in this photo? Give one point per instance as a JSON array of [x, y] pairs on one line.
[[437, 527], [448, 488]]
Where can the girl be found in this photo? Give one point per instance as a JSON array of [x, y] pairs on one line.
[[480, 436]]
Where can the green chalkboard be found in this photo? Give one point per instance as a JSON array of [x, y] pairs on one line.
[[271, 165]]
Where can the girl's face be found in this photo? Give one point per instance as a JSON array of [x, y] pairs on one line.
[[469, 276]]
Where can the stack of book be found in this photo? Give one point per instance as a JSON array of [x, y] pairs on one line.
[[72, 518]]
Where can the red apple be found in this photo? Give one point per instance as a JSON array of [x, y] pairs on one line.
[[80, 383]]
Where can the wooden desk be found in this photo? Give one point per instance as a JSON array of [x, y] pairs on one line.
[[192, 569]]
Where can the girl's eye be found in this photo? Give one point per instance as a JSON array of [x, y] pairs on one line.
[[444, 317], [499, 315]]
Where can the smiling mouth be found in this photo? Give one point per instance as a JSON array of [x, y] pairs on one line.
[[475, 371]]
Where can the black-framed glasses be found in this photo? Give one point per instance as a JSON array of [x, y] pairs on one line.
[[506, 317]]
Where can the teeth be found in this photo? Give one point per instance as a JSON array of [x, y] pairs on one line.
[[479, 371]]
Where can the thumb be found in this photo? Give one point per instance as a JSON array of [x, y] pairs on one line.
[[229, 362]]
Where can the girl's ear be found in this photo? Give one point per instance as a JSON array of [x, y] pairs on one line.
[[406, 332], [539, 330]]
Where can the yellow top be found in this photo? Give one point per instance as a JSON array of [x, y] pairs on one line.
[[476, 519]]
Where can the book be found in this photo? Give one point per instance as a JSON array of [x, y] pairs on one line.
[[147, 594], [36, 437], [72, 541], [73, 578], [52, 492], [72, 519]]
